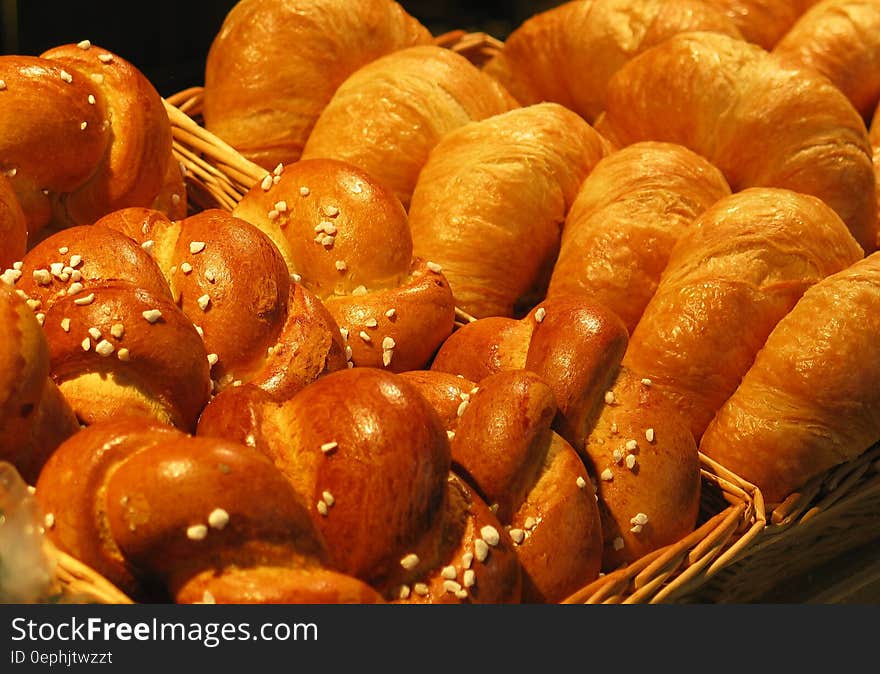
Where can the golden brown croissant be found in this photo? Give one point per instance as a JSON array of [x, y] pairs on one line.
[[841, 40], [82, 132], [627, 215], [634, 443], [274, 65], [810, 400], [763, 22], [743, 266], [229, 279], [118, 343], [34, 417], [762, 123], [502, 443], [347, 238], [370, 456], [387, 116], [566, 54], [490, 202], [234, 531]]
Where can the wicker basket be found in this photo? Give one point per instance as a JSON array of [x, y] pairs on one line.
[[735, 554]]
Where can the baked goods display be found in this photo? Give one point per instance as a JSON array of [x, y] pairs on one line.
[[476, 330]]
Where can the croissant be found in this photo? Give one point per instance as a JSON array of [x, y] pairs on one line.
[[387, 116], [841, 40], [235, 531], [566, 54], [34, 417], [502, 443], [230, 280], [371, 459], [743, 266], [810, 400], [82, 132], [490, 202], [275, 64], [635, 445], [118, 343], [627, 215], [763, 22], [347, 238], [761, 122]]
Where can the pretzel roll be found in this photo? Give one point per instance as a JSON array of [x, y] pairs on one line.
[[744, 265], [628, 214], [574, 344], [347, 238], [567, 53], [490, 202], [763, 22], [13, 226], [793, 418], [841, 40], [235, 526], [275, 64], [117, 342], [502, 442], [51, 135], [133, 169], [71, 491], [34, 417], [230, 280], [761, 122], [388, 115], [648, 470], [366, 436]]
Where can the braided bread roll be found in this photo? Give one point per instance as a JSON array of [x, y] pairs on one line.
[[387, 116], [633, 441], [627, 215], [490, 202], [794, 417], [82, 133], [34, 417], [761, 122], [567, 53], [347, 237], [841, 40], [235, 531], [502, 442], [118, 343], [371, 458], [744, 265], [230, 280], [274, 65]]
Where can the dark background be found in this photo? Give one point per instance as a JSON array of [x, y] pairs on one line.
[[169, 39]]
